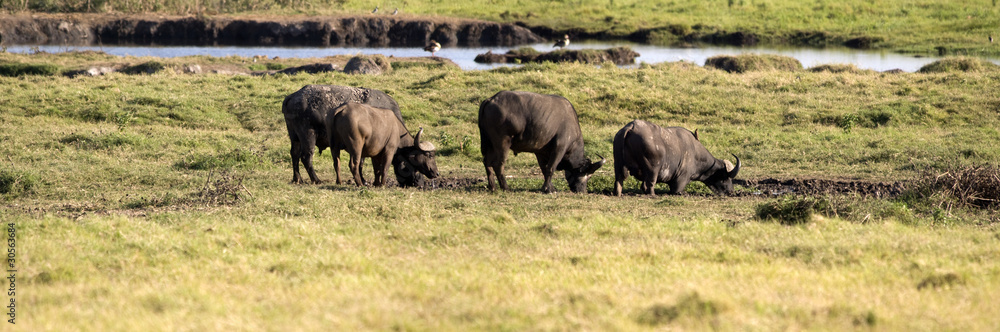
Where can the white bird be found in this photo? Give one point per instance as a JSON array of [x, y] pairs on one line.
[[563, 42], [991, 38], [394, 12], [432, 47], [376, 10]]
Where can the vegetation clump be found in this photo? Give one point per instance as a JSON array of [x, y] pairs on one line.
[[791, 210], [22, 69], [976, 186], [840, 68], [963, 64], [940, 280], [150, 67], [617, 55], [368, 64], [691, 305], [16, 183], [753, 62]]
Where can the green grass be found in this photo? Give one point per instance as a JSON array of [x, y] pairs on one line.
[[161, 202], [915, 26]]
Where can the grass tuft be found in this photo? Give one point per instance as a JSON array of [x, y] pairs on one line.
[[15, 183], [941, 281], [976, 186], [691, 305], [22, 69], [753, 62], [793, 210], [962, 64]]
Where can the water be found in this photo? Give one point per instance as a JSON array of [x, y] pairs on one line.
[[463, 56]]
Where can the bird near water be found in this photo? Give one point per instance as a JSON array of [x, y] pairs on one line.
[[562, 42], [433, 47]]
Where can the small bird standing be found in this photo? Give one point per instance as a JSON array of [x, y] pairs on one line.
[[991, 38], [376, 10], [432, 47], [394, 12], [563, 42]]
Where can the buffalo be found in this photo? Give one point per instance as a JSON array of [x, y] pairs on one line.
[[545, 125], [305, 116], [671, 155], [365, 131]]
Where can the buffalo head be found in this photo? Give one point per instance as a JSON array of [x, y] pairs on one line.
[[577, 178], [419, 157], [722, 181]]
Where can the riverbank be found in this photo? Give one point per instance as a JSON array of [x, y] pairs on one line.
[[930, 28]]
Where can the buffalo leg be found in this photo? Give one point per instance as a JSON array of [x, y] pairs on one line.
[[493, 159], [306, 151], [677, 185], [649, 183], [380, 166], [296, 154], [547, 171], [356, 169], [336, 162], [621, 173], [549, 168]]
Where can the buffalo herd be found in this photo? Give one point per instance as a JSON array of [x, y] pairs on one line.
[[367, 123]]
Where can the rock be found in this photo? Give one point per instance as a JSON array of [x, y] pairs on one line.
[[92, 71], [192, 69]]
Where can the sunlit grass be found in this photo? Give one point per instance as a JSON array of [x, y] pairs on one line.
[[116, 231]]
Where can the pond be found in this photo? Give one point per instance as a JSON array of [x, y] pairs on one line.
[[463, 56]]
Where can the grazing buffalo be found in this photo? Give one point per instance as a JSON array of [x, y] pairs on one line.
[[671, 155], [365, 131], [305, 116], [545, 125]]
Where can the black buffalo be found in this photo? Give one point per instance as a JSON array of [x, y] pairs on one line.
[[365, 131], [671, 155], [545, 125], [305, 116]]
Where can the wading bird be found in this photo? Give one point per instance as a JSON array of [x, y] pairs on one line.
[[432, 47], [562, 42]]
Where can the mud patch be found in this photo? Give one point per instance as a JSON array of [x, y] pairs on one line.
[[776, 187]]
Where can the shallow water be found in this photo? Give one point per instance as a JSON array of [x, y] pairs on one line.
[[463, 56]]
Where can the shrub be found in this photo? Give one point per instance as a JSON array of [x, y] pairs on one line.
[[963, 64], [753, 62]]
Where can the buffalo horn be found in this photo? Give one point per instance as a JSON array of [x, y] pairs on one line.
[[596, 166], [736, 170], [416, 139]]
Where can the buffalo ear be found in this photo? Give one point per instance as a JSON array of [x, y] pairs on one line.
[[595, 166]]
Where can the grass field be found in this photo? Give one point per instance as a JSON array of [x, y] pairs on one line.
[[914, 26], [161, 202]]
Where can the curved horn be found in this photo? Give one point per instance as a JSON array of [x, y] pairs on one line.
[[416, 139], [596, 166], [736, 170]]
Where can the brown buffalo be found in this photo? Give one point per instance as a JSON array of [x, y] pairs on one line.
[[671, 155], [365, 131], [545, 125], [305, 117]]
